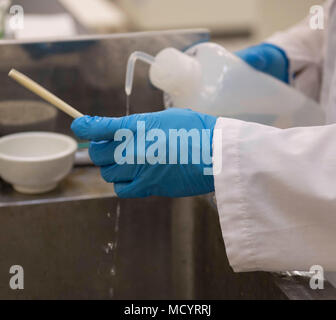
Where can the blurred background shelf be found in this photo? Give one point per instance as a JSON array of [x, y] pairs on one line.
[[233, 23]]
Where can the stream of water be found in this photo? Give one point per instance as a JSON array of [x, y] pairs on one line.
[[111, 248], [128, 106]]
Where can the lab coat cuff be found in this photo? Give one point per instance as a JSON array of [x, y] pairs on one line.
[[235, 220]]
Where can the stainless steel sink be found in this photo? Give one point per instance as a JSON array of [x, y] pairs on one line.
[[79, 249], [82, 242], [102, 247]]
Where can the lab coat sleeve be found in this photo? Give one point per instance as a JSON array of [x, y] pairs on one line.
[[276, 195], [304, 47]]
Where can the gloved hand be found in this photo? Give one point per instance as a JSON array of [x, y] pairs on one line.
[[267, 58], [150, 168]]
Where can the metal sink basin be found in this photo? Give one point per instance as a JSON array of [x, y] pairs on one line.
[[75, 247], [82, 242], [96, 248]]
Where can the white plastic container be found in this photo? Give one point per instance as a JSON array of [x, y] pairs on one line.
[[209, 79]]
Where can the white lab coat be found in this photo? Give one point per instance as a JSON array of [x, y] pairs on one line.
[[276, 192]]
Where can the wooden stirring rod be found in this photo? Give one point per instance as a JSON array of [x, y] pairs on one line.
[[44, 94]]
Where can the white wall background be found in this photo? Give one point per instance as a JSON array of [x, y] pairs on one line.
[[275, 15], [262, 16]]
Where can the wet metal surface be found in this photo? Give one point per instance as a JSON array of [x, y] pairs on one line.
[[66, 250], [296, 286], [83, 183]]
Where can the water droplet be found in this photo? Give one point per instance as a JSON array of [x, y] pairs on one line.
[[109, 247], [113, 271], [118, 210]]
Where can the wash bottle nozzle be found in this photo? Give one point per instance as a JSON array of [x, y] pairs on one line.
[[137, 55], [171, 71]]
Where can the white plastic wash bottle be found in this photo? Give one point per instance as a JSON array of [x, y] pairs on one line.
[[209, 79]]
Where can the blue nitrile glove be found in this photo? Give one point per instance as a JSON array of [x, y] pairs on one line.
[[149, 171], [267, 58]]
